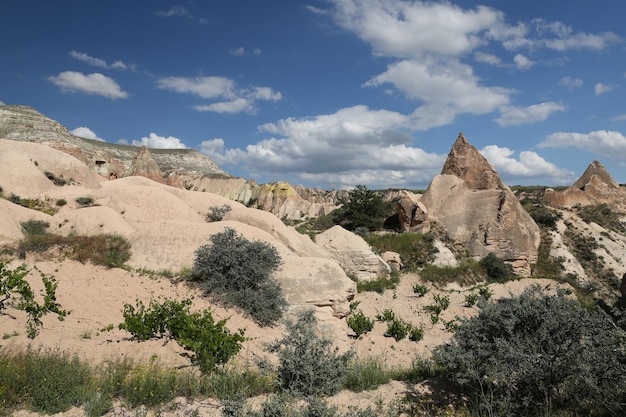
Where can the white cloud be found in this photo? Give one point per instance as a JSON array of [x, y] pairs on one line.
[[237, 100], [158, 142], [96, 83], [600, 88], [570, 83], [238, 52], [486, 58], [609, 144], [355, 145], [530, 165], [97, 62], [205, 87], [512, 116], [85, 132], [446, 90], [180, 11], [238, 105], [619, 118], [522, 62]]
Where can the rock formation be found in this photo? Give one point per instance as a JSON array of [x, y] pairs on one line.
[[470, 201], [595, 186], [144, 165], [353, 254]]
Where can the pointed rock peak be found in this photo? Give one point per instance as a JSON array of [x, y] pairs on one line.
[[467, 163], [144, 165], [597, 170]]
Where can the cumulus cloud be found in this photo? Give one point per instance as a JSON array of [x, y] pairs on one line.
[[241, 51], [600, 88], [157, 142], [486, 58], [512, 116], [180, 11], [355, 145], [530, 165], [238, 100], [97, 62], [609, 144], [85, 132], [522, 62], [570, 83], [95, 83]]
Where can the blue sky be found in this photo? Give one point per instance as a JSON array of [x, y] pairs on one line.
[[332, 93]]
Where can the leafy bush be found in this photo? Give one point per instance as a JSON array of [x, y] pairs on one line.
[[497, 270], [212, 343], [239, 272], [217, 213], [84, 201], [308, 365], [470, 299], [537, 354], [359, 323], [468, 272], [420, 289], [379, 285], [362, 208], [398, 329], [604, 216], [58, 181], [544, 216], [16, 292], [34, 227], [386, 315], [61, 202], [416, 250], [416, 334]]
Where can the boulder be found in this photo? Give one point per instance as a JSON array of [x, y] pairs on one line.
[[470, 201], [393, 259], [353, 253]]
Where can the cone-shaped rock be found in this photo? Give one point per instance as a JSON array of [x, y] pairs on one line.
[[144, 165], [595, 186], [467, 163], [478, 210]]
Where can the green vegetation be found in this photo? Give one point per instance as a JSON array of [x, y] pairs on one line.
[[217, 213], [308, 365], [357, 321], [497, 270], [537, 355], [84, 201], [604, 216], [363, 208], [212, 343], [105, 249], [420, 289], [58, 181], [238, 272], [16, 292], [416, 250], [467, 273], [398, 328], [31, 203], [379, 285]]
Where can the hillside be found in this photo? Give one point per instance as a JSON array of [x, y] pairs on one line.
[[581, 249]]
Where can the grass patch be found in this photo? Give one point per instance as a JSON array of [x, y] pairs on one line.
[[378, 285], [31, 203], [105, 249], [416, 250], [604, 216], [51, 381], [467, 273]]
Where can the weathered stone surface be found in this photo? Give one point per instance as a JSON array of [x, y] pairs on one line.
[[144, 165], [412, 213], [595, 186], [353, 253], [474, 206], [393, 259]]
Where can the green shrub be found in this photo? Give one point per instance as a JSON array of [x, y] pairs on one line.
[[416, 334], [308, 365], [470, 299], [239, 272], [544, 216], [441, 304], [497, 270], [362, 208], [61, 202], [366, 374], [398, 329], [386, 315], [378, 285], [536, 355], [416, 250], [16, 292], [35, 227], [420, 289], [58, 181], [217, 213], [467, 273], [604, 216], [359, 323], [212, 343], [84, 201]]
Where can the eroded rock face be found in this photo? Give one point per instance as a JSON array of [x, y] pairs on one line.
[[595, 186], [474, 206], [353, 254], [144, 165]]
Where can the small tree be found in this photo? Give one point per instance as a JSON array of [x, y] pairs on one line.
[[308, 365], [239, 272], [212, 343], [16, 292], [363, 208], [497, 270], [537, 353]]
